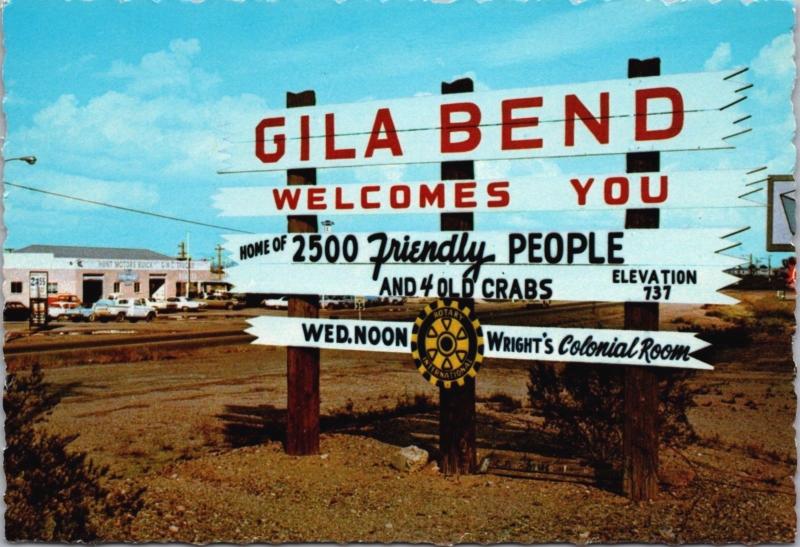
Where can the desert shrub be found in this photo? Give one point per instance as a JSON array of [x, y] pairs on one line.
[[734, 336], [583, 407], [53, 493], [771, 308]]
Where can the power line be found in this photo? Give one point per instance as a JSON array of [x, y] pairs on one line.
[[128, 209]]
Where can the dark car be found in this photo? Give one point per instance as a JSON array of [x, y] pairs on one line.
[[15, 311], [222, 302]]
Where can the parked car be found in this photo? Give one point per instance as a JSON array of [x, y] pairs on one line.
[[63, 297], [184, 304], [15, 311], [221, 302], [336, 302], [280, 303], [60, 310], [81, 313], [103, 310], [133, 309], [162, 306]]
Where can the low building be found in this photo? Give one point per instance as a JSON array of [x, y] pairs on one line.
[[92, 273]]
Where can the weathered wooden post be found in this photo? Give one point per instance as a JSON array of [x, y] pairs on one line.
[[640, 435], [302, 363], [457, 404]]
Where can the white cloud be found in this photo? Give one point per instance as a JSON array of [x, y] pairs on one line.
[[165, 69], [478, 85], [119, 134], [720, 59], [774, 73], [572, 31], [776, 59], [126, 193]]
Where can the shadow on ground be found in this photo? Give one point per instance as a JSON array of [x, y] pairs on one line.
[[415, 422]]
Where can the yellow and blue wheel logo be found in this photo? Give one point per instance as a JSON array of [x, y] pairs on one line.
[[447, 343]]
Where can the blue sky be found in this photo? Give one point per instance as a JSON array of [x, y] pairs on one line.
[[124, 102]]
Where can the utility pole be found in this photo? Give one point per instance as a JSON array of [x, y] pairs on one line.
[[188, 267], [183, 254], [218, 248]]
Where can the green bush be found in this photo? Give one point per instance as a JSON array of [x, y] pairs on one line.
[[52, 493], [583, 406]]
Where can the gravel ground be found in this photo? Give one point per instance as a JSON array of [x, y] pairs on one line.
[[192, 429]]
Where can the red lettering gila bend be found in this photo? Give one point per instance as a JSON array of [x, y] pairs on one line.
[[460, 129]]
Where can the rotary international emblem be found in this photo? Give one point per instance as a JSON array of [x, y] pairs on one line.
[[447, 343]]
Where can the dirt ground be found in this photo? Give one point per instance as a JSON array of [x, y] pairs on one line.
[[201, 429]]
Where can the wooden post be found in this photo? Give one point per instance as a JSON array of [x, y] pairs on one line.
[[302, 364], [457, 404], [640, 436]]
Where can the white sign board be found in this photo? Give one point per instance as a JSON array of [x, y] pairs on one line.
[[625, 265], [691, 189], [670, 284], [781, 213], [666, 113], [38, 285], [595, 346], [473, 250]]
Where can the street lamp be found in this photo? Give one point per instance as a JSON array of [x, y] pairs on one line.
[[30, 160]]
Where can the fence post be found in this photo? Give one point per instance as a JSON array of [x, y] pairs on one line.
[[640, 434], [302, 364], [457, 404]]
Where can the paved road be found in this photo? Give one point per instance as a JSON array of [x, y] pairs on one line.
[[218, 328]]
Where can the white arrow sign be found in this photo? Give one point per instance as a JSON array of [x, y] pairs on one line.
[[665, 113], [468, 252], [690, 189], [670, 284], [626, 265], [595, 346]]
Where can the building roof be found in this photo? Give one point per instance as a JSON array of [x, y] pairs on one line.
[[70, 251]]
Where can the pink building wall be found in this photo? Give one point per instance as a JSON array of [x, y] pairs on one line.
[[71, 276]]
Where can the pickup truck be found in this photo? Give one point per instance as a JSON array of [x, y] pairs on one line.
[[184, 304], [132, 309]]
